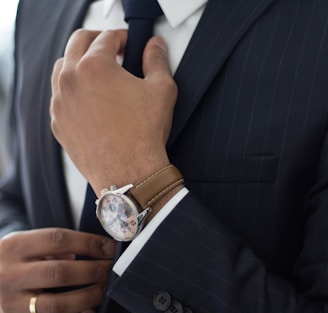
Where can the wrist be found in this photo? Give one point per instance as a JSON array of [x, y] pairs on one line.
[[124, 210], [133, 172]]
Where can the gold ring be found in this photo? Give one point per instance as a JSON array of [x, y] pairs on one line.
[[32, 305]]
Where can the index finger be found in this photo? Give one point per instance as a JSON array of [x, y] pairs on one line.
[[109, 43], [45, 242], [78, 43]]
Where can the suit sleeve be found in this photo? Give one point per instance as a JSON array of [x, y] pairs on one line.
[[12, 209], [12, 218], [202, 265]]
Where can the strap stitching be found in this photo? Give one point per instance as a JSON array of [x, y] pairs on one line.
[[168, 188], [151, 176]]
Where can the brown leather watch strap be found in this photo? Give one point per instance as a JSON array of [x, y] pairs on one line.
[[156, 186]]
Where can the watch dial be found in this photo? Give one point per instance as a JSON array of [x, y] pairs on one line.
[[118, 217]]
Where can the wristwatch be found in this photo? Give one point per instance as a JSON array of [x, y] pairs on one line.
[[123, 211]]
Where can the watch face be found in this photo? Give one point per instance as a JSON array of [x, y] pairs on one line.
[[118, 216]]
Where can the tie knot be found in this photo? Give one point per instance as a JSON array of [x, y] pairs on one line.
[[141, 9]]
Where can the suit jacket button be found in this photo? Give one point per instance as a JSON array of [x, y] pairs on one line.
[[176, 307], [161, 300]]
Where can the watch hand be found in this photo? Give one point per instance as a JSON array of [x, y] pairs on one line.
[[112, 221], [123, 224]]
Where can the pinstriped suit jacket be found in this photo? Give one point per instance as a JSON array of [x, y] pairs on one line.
[[249, 135]]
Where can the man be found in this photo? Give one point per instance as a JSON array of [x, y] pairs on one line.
[[248, 134]]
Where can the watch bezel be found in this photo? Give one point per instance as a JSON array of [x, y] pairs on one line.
[[135, 212]]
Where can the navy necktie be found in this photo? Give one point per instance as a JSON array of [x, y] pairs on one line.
[[89, 222], [140, 16]]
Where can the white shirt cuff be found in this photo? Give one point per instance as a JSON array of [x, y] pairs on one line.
[[137, 244]]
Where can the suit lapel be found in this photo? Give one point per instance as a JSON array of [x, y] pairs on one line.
[[69, 20], [220, 29], [67, 17]]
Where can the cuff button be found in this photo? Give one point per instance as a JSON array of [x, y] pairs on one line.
[[176, 307], [161, 300]]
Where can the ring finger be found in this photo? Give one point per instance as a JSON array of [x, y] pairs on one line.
[[54, 273], [70, 302]]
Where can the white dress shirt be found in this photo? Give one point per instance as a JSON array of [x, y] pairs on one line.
[[176, 27]]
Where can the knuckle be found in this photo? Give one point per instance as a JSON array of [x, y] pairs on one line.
[[57, 273], [85, 65], [113, 34], [9, 243], [54, 127], [89, 66], [80, 33], [58, 65], [66, 80], [99, 272], [54, 112], [58, 238], [54, 106]]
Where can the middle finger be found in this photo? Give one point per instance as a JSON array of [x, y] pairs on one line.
[[58, 273]]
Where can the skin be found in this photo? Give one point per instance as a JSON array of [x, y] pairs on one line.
[[115, 127], [27, 268]]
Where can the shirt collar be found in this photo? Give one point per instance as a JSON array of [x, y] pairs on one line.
[[176, 11]]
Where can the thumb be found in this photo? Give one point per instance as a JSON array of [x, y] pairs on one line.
[[155, 58]]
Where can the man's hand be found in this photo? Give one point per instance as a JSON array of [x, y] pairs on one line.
[[113, 125], [32, 261]]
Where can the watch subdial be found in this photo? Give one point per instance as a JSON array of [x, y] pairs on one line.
[[118, 218]]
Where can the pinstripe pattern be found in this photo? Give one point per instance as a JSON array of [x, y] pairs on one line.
[[250, 153], [250, 137]]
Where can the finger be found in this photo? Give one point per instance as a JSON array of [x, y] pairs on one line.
[[69, 302], [54, 274], [78, 44], [41, 243], [108, 44], [155, 59], [55, 74]]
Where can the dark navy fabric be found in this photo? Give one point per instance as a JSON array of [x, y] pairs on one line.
[[249, 135], [89, 221], [140, 16]]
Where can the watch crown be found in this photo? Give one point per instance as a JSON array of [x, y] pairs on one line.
[[112, 188]]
